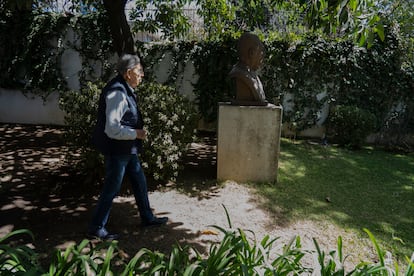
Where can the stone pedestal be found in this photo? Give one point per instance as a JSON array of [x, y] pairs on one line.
[[248, 142]]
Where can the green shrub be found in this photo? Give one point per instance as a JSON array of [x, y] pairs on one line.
[[169, 120], [350, 125], [80, 117]]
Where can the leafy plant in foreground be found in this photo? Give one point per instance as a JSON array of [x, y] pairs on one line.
[[239, 255], [333, 263], [20, 259], [84, 259], [236, 254]]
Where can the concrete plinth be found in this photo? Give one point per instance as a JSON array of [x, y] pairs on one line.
[[248, 142]]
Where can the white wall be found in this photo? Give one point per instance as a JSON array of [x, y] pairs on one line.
[[15, 107], [29, 109]]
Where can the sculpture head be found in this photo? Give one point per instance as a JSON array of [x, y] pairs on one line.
[[251, 50], [249, 88]]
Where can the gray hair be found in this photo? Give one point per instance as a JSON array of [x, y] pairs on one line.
[[126, 62]]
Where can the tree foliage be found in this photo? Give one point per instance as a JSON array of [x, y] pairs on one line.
[[166, 17], [365, 20], [322, 57]]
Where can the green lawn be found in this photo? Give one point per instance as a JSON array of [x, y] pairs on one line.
[[367, 188]]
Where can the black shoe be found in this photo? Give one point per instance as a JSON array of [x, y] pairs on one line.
[[103, 234], [155, 222]]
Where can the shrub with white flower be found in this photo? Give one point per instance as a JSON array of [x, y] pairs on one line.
[[169, 118], [170, 122]]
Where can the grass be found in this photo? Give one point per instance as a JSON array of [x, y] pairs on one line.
[[367, 188]]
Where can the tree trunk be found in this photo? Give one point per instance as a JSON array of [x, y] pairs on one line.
[[19, 5], [121, 33]]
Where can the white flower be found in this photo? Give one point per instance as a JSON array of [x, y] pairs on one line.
[[172, 158], [163, 117]]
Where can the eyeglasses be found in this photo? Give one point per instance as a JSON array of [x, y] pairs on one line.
[[138, 71]]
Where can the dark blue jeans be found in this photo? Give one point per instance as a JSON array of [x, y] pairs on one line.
[[116, 167]]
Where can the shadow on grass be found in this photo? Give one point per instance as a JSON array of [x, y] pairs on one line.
[[355, 189]]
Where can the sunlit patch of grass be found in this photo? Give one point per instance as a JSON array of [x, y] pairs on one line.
[[367, 188]]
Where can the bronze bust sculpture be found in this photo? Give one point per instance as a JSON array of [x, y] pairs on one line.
[[249, 88]]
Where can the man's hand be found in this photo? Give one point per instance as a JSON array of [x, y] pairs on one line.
[[141, 134]]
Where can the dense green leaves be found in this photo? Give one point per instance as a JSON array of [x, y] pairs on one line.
[[29, 60], [169, 120], [213, 61], [306, 70], [80, 109], [237, 254], [361, 19], [308, 77], [166, 17], [350, 125]]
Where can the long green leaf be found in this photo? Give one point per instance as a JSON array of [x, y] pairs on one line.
[[377, 247], [15, 233], [228, 216], [410, 266], [107, 261], [339, 244]]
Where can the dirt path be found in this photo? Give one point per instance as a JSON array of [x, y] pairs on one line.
[[41, 193]]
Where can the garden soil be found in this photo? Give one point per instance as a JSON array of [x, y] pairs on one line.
[[41, 191]]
